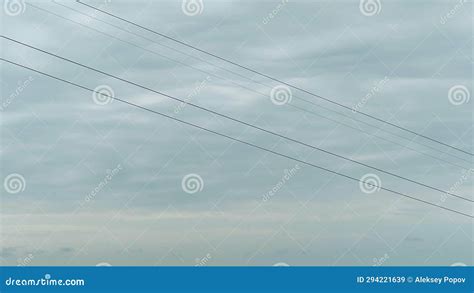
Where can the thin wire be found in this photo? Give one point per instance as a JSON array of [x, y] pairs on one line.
[[276, 79], [251, 80], [239, 140], [238, 120], [381, 138]]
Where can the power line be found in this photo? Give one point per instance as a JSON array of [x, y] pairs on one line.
[[251, 80], [276, 79], [238, 120], [379, 137], [239, 140]]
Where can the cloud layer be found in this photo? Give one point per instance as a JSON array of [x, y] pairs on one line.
[[103, 183]]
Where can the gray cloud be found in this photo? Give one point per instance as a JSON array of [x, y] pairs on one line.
[[64, 144]]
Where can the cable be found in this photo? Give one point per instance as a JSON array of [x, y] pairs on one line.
[[251, 80], [379, 137], [277, 80], [239, 140], [237, 120]]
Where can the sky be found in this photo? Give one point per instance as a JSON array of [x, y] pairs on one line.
[[89, 180]]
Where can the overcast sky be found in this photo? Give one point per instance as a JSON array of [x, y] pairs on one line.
[[103, 182]]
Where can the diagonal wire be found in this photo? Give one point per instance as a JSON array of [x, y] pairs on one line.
[[239, 140], [276, 79], [251, 80], [238, 120]]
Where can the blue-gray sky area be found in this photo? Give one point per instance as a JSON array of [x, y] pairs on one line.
[[90, 180]]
